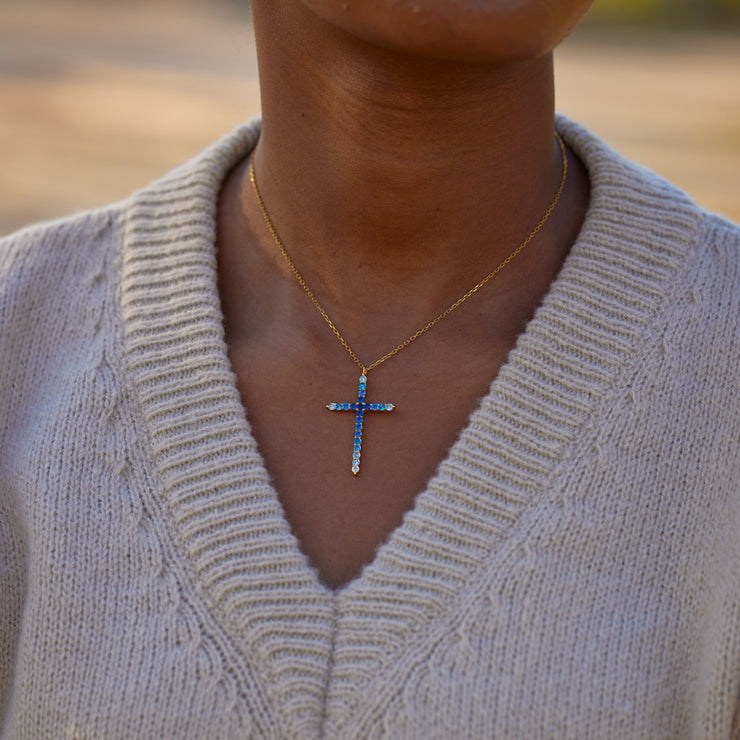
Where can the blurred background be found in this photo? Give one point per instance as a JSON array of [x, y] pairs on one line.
[[98, 97]]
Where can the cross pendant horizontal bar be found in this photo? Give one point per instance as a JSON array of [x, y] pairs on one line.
[[360, 407]]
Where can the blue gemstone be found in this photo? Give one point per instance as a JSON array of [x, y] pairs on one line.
[[353, 407], [363, 379]]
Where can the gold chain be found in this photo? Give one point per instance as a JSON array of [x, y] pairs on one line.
[[367, 368]]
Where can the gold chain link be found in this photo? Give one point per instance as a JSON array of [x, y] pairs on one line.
[[367, 368]]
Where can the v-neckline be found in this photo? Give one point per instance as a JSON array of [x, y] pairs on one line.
[[223, 511]]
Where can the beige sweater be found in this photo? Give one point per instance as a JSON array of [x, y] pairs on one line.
[[571, 571]]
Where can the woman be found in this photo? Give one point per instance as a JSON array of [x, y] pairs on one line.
[[523, 520]]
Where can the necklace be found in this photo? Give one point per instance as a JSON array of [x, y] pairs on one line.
[[361, 406]]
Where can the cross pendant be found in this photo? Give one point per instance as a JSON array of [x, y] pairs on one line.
[[359, 408]]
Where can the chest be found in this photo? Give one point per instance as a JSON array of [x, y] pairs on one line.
[[348, 456]]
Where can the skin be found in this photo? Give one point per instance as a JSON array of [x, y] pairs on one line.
[[486, 31], [404, 154]]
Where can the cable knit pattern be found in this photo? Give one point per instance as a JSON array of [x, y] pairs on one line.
[[572, 570]]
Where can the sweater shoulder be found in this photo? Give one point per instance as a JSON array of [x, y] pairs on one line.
[[721, 238], [642, 219], [39, 255], [55, 280], [713, 272]]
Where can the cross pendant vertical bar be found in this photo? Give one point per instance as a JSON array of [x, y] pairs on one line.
[[360, 407]]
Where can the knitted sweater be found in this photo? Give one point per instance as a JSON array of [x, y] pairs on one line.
[[572, 569]]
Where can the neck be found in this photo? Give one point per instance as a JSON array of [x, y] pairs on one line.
[[419, 175]]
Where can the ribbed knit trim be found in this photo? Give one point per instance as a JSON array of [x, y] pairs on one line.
[[224, 511], [225, 514]]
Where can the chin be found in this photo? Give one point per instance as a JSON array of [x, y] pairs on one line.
[[474, 31]]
